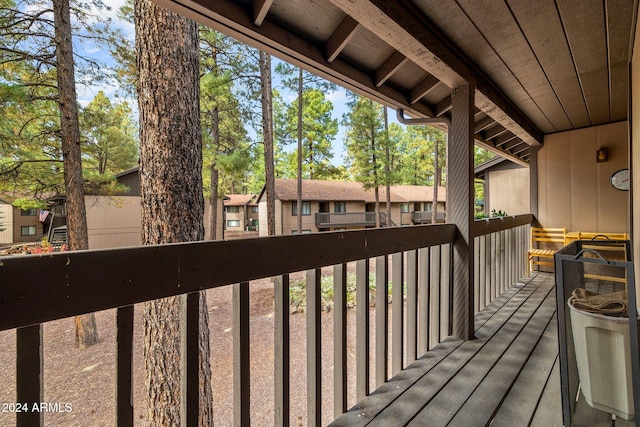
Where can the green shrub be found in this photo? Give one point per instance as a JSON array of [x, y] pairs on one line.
[[297, 293]]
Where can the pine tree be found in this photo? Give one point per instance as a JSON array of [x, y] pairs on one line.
[[172, 198]]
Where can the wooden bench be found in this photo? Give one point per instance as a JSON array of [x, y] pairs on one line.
[[541, 240]]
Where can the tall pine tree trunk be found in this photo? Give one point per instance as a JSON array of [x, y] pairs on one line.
[[86, 329], [213, 203], [387, 166], [214, 173], [267, 130], [374, 163], [299, 190], [172, 199], [436, 184]]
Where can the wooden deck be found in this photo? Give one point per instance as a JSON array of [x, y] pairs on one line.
[[508, 376]]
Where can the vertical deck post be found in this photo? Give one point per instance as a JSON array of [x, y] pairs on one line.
[[29, 371], [533, 180], [460, 205]]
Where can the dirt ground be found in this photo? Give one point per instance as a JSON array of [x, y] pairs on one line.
[[84, 380]]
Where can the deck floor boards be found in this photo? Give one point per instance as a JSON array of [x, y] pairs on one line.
[[407, 394], [445, 404], [518, 407], [507, 376]]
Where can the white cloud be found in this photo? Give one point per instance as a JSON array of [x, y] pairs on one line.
[[339, 95]]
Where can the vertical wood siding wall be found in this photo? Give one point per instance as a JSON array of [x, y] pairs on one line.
[[575, 191]]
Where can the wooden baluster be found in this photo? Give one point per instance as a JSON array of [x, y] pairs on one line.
[[29, 375], [434, 297], [362, 328], [124, 362], [397, 312], [241, 360], [339, 339], [314, 349], [423, 300], [412, 307], [382, 320], [282, 354]]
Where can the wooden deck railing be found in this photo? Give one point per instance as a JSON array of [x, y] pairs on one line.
[[500, 256], [420, 276]]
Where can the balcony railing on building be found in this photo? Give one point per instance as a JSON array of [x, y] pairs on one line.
[[349, 219], [425, 217]]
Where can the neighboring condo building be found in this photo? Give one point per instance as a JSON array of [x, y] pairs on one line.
[[339, 205], [240, 215]]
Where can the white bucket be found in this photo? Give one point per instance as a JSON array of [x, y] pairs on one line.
[[603, 356]]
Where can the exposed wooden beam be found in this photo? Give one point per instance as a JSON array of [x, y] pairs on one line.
[[231, 18], [520, 149], [340, 37], [405, 28], [390, 66], [480, 142], [494, 132], [512, 144], [507, 115], [408, 34], [503, 139], [443, 106], [483, 124], [423, 88], [260, 9]]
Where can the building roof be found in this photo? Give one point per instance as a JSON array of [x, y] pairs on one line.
[[348, 191], [495, 163], [240, 200], [419, 193]]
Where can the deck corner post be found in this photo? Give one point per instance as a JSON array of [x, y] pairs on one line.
[[460, 196], [533, 180]]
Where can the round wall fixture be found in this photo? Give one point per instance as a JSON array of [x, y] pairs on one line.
[[620, 179]]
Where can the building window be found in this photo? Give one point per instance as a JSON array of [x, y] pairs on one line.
[[233, 209], [303, 231], [404, 208], [233, 223], [339, 207], [28, 230], [306, 208], [28, 212], [428, 206], [254, 209]]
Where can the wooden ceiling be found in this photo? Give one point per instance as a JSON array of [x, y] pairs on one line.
[[540, 66]]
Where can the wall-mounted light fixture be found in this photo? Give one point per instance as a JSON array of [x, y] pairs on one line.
[[602, 155]]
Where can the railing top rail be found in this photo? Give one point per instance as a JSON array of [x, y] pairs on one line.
[[492, 225], [40, 288]]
